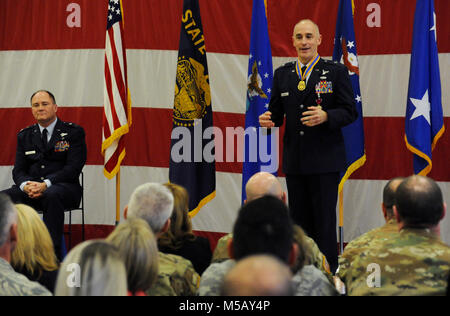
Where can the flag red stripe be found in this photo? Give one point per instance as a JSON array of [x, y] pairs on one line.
[[114, 160], [110, 86], [106, 131], [383, 162], [118, 75]]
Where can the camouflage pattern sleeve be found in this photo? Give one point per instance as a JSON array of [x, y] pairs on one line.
[[221, 252], [415, 262], [310, 281], [15, 284], [212, 279], [318, 259], [371, 239], [176, 277]]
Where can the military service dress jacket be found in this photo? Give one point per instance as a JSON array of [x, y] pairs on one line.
[[60, 162]]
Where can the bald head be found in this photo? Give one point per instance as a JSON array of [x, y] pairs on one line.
[[307, 22], [263, 183], [259, 275], [419, 202]]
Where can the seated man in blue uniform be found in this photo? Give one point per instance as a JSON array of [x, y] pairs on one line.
[[49, 158]]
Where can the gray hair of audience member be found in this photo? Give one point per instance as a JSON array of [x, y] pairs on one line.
[[419, 202], [93, 268], [152, 202], [137, 245], [389, 194], [263, 183], [8, 217], [259, 275]]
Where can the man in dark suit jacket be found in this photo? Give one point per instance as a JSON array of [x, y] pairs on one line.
[[49, 158], [317, 99]]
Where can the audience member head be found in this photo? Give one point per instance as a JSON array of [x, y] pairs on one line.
[[137, 245], [93, 268], [43, 107], [259, 275], [180, 228], [264, 183], [389, 197], [8, 227], [419, 203], [34, 251], [152, 202], [263, 226]]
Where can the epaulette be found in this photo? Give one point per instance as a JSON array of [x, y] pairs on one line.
[[27, 128], [331, 62], [70, 125], [288, 64]]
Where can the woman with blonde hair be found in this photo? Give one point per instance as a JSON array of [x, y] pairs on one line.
[[93, 268], [137, 245], [34, 255], [179, 239]]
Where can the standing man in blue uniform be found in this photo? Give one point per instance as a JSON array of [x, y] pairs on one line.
[[49, 158], [316, 97]]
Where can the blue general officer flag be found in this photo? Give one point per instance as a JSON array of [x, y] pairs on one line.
[[258, 152], [192, 154], [424, 123], [345, 52]]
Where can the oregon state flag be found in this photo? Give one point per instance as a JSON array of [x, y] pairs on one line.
[[424, 123], [259, 152], [345, 52], [192, 154]]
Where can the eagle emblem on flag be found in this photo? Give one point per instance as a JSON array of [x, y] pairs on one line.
[[255, 83]]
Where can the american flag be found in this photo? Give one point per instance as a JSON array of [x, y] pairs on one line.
[[117, 103]]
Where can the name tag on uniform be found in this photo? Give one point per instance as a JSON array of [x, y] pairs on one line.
[[32, 152], [285, 94]]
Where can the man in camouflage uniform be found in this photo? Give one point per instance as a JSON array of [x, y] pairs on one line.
[[414, 262], [153, 202], [264, 183], [264, 226], [11, 282], [374, 237]]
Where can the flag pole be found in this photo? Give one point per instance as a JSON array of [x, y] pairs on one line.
[[118, 197], [341, 222]]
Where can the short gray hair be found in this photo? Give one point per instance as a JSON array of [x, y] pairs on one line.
[[152, 202], [8, 217]]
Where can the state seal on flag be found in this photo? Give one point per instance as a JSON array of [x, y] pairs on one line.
[[192, 92]]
